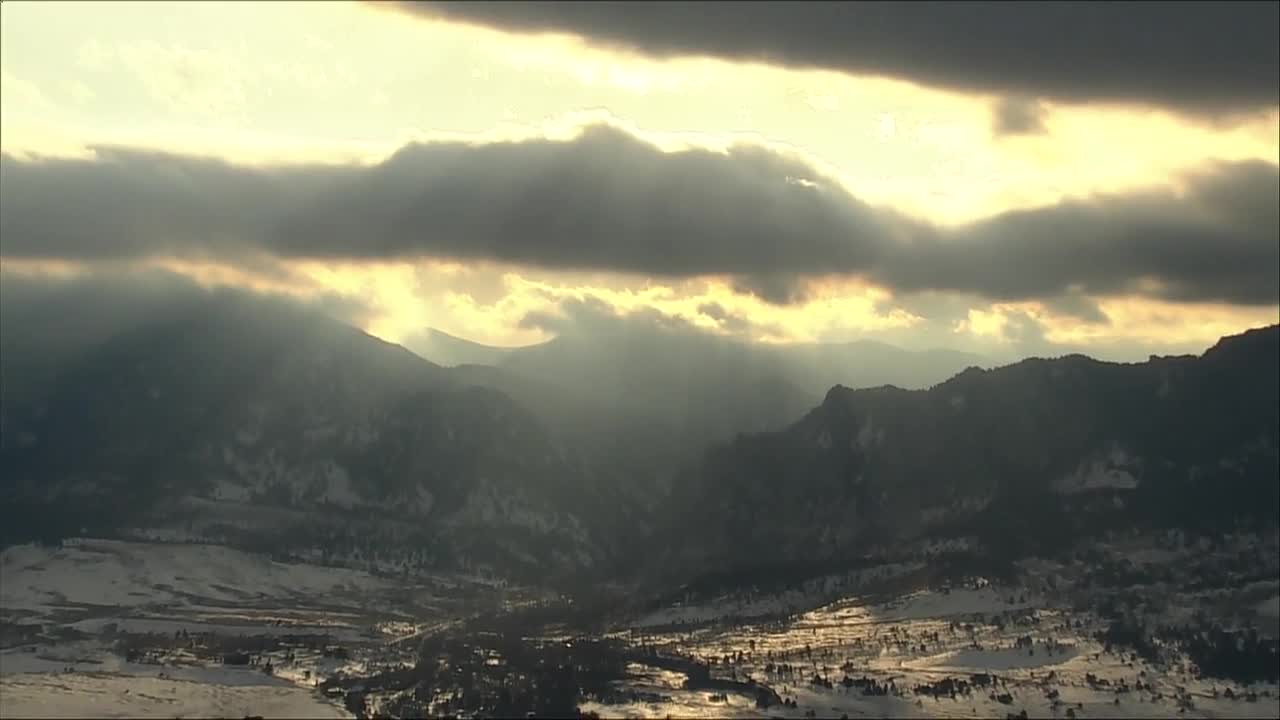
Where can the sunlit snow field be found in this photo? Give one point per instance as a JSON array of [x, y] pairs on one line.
[[920, 639]]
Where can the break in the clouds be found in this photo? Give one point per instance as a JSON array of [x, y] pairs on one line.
[[606, 200], [1205, 58]]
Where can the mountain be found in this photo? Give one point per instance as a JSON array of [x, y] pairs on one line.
[[1020, 459], [867, 363], [226, 417], [641, 397], [444, 349], [697, 387], [256, 423], [645, 402], [702, 386], [638, 403], [269, 426]]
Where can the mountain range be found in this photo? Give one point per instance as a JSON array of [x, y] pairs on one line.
[[1019, 459], [262, 424]]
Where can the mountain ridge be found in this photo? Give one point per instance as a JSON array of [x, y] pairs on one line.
[[270, 427], [884, 465], [253, 407]]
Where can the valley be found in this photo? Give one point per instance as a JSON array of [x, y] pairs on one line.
[[196, 630]]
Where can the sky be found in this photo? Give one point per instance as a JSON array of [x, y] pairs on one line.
[[1007, 178]]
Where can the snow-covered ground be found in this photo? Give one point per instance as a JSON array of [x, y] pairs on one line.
[[744, 606], [64, 613], [123, 575], [1041, 655], [66, 616], [106, 695], [86, 679]]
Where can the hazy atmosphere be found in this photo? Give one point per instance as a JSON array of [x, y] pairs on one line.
[[639, 359]]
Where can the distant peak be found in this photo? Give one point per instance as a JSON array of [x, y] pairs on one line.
[[837, 393], [1255, 338]]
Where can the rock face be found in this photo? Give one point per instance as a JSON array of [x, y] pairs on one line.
[[1023, 457], [274, 427]]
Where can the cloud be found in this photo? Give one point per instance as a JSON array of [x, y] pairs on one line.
[[1218, 240], [23, 95], [649, 339], [1018, 116], [603, 201], [771, 287], [483, 284], [1203, 58], [1025, 333], [595, 319], [608, 201], [730, 322], [683, 360], [1078, 307], [1022, 333], [714, 310]]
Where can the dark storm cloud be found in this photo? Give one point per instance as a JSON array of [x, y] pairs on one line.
[[714, 310], [1218, 241], [1078, 307], [605, 201], [651, 338], [731, 322], [774, 288], [1209, 58], [734, 323], [608, 201], [130, 204], [594, 318]]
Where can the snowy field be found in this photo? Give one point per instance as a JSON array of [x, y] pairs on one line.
[[1039, 658], [125, 629], [66, 615], [124, 576], [740, 607], [111, 695]]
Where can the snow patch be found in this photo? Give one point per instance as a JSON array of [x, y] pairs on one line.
[[1107, 473], [338, 490], [103, 695], [869, 435], [228, 491], [126, 574]]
